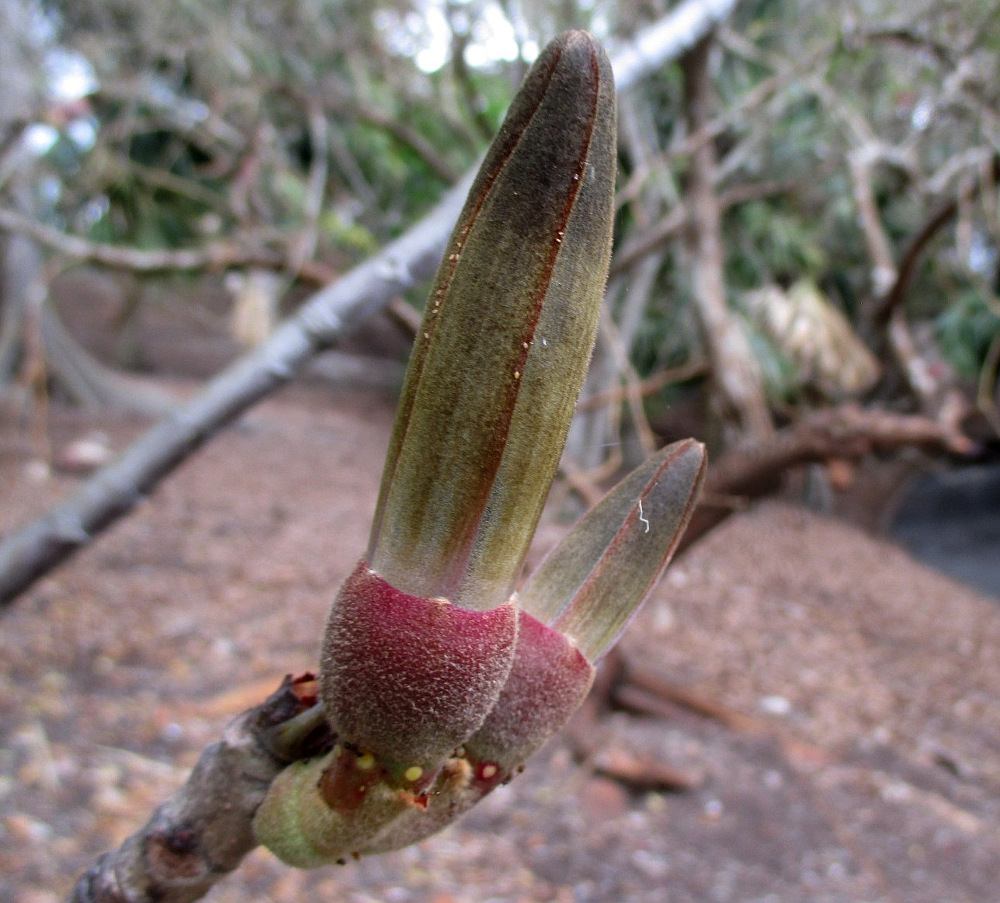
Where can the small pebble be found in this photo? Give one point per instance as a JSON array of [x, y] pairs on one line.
[[602, 798], [776, 705]]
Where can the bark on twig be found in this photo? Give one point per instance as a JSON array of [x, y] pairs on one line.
[[202, 832], [113, 491]]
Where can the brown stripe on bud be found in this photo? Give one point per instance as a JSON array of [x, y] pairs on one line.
[[505, 341]]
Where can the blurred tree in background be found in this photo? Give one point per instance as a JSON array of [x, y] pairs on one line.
[[807, 213]]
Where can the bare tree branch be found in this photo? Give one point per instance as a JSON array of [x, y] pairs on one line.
[[912, 253], [733, 364], [861, 162], [938, 397], [213, 256], [667, 228], [667, 39], [747, 109], [115, 490], [754, 467]]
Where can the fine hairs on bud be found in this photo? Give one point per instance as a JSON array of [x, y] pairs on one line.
[[437, 680]]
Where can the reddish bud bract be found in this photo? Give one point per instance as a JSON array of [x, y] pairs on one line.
[[409, 679]]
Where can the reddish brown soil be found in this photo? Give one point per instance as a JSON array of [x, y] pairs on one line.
[[868, 768]]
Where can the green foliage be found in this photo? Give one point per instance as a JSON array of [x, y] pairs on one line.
[[669, 332], [781, 382], [771, 242], [202, 109], [966, 329]]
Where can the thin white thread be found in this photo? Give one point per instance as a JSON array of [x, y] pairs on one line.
[[646, 522]]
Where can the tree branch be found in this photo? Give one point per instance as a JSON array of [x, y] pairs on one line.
[[667, 39], [202, 832], [214, 256], [115, 490], [652, 239], [754, 468], [733, 364], [913, 252], [937, 395]]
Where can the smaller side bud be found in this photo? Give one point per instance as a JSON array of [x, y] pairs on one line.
[[547, 684], [453, 794], [591, 585], [347, 780], [298, 825]]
